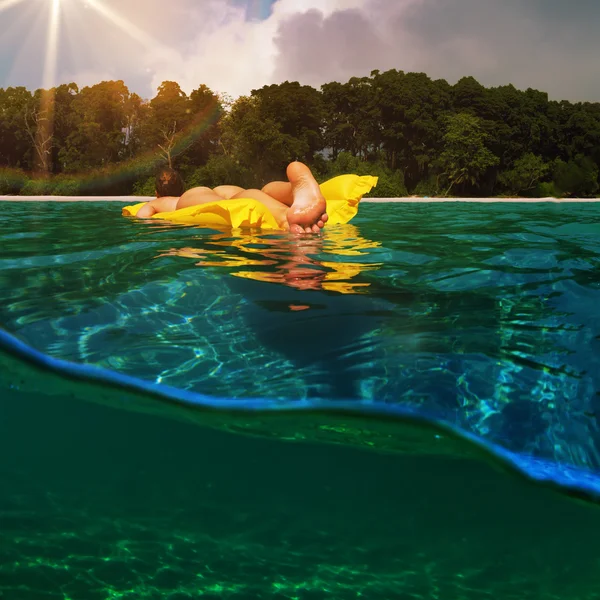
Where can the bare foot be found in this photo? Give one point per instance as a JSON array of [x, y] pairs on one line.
[[307, 213]]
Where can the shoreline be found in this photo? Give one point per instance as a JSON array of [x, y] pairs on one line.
[[409, 199]]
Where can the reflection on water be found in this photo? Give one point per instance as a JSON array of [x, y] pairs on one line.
[[305, 262]]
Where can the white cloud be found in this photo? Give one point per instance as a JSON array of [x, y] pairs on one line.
[[229, 54], [89, 77], [287, 8], [233, 55]]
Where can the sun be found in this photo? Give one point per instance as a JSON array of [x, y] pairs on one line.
[[56, 13]]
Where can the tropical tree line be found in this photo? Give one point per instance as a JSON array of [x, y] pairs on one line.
[[420, 136]]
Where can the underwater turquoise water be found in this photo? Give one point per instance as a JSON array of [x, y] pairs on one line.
[[484, 316]]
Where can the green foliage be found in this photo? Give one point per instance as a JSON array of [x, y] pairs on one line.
[[547, 189], [414, 133], [394, 113], [298, 110], [99, 123], [66, 186], [145, 187], [37, 187], [390, 184], [350, 116], [346, 163], [207, 111], [167, 116], [578, 177], [15, 142], [429, 187], [221, 169], [258, 143], [465, 157], [11, 181], [527, 172], [410, 125], [469, 96]]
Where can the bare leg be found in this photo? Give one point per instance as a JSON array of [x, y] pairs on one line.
[[197, 196], [277, 209], [280, 190], [204, 195], [164, 204]]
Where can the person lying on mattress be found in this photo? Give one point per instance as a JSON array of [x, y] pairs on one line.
[[296, 204]]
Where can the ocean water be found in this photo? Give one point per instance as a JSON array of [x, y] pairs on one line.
[[479, 317]]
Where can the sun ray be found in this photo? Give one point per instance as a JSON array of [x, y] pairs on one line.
[[45, 112], [4, 4], [50, 62], [78, 23], [132, 30]]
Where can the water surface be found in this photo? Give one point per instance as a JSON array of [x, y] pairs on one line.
[[481, 315]]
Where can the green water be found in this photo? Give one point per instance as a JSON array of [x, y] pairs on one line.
[[99, 504], [484, 315]]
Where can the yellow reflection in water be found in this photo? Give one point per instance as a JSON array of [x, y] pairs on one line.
[[305, 263]]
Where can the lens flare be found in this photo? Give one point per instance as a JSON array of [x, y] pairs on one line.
[[56, 17]]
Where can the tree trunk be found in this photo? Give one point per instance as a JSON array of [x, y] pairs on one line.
[[40, 127]]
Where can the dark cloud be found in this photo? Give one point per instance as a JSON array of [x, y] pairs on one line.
[[545, 44], [311, 46]]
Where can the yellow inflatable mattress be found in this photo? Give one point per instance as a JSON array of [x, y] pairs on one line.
[[342, 193]]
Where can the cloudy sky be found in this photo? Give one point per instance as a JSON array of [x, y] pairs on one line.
[[234, 46]]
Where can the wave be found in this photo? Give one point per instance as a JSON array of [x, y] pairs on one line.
[[370, 425]]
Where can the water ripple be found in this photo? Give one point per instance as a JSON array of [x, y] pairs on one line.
[[485, 313]]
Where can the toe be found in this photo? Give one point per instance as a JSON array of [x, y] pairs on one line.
[[316, 229], [296, 229], [325, 217], [320, 224], [308, 230]]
